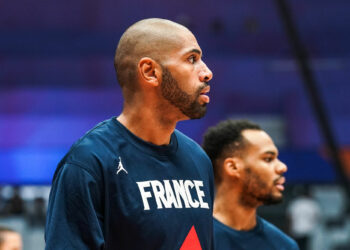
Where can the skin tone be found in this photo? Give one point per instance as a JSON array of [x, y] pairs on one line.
[[12, 241], [147, 112], [250, 178]]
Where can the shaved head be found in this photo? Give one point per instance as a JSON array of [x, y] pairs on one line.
[[153, 38]]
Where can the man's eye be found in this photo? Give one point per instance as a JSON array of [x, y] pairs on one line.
[[268, 159], [192, 59]]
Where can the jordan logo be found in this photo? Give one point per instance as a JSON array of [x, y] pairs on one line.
[[120, 166]]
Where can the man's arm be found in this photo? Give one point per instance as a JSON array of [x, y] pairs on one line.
[[75, 213]]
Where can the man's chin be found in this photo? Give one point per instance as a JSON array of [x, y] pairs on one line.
[[199, 114], [195, 111], [273, 200]]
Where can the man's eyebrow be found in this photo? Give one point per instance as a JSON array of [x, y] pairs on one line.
[[270, 153], [197, 51]]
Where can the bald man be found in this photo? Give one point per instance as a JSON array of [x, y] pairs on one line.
[[10, 239], [134, 181], [248, 174]]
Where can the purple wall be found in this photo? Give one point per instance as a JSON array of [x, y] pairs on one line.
[[57, 78]]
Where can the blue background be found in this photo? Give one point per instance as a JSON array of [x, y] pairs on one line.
[[57, 78]]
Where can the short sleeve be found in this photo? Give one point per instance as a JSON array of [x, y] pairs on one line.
[[75, 212]]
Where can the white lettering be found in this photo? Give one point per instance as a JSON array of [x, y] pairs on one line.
[[194, 203], [158, 191], [200, 194], [180, 192], [144, 194], [172, 193]]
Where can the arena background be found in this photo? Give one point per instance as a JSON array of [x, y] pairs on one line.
[[57, 80]]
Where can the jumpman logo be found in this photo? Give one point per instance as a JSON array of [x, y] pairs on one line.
[[120, 166]]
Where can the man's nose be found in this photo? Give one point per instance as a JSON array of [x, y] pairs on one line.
[[205, 75], [281, 167]]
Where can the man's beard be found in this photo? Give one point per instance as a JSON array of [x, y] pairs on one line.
[[187, 104], [256, 191]]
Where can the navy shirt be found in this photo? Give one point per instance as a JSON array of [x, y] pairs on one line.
[[264, 236], [115, 191]]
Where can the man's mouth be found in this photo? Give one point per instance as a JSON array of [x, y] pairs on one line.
[[279, 183], [203, 94]]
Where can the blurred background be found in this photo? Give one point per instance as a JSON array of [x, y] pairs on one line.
[[57, 81]]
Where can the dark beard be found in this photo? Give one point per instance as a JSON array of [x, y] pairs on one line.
[[256, 191], [187, 104], [269, 199]]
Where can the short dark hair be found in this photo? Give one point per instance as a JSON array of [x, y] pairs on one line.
[[4, 230], [225, 138]]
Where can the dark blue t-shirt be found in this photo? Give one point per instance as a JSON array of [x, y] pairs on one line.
[[264, 236], [115, 191]]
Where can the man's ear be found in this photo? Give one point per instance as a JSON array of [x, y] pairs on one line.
[[233, 166], [149, 71]]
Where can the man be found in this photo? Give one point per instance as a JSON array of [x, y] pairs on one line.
[[10, 239], [247, 174], [135, 182]]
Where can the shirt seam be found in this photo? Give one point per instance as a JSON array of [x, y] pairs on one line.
[[81, 166]]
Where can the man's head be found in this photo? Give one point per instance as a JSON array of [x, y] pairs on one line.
[[245, 158], [10, 239], [160, 56]]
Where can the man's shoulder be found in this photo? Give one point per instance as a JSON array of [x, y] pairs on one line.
[[97, 138], [190, 146], [277, 234], [182, 137], [96, 145], [185, 140], [100, 131]]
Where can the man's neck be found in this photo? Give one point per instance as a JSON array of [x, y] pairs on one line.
[[231, 212], [148, 126]]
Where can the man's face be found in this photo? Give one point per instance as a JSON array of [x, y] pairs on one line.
[[185, 79], [262, 175], [187, 103], [12, 241]]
